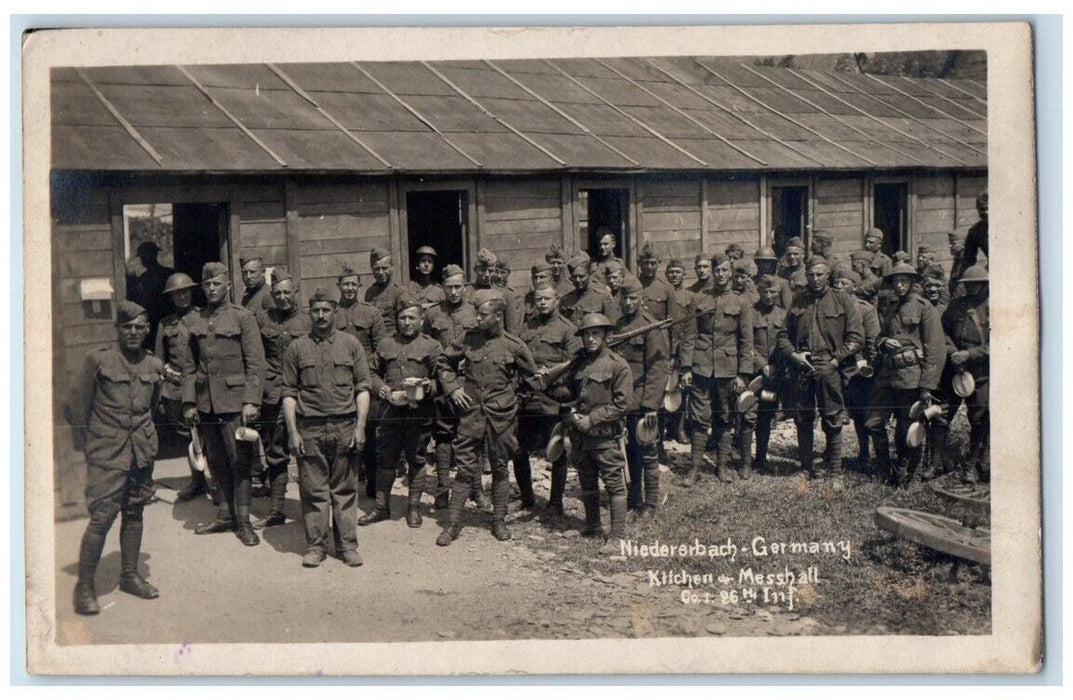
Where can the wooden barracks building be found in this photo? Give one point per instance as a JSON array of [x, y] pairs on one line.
[[311, 165]]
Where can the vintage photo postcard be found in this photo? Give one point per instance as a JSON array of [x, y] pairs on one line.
[[532, 350]]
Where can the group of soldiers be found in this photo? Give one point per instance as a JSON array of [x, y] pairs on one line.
[[589, 366]]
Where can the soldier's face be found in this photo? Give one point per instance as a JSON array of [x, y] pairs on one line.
[[703, 269], [820, 247], [614, 280], [740, 278], [902, 284], [976, 290], [871, 244], [859, 266], [409, 321], [382, 270], [544, 301], [132, 333], [253, 275], [426, 264], [842, 285], [955, 248], [215, 289], [818, 277], [540, 277], [348, 288], [607, 245], [648, 267], [722, 274], [322, 315], [794, 256], [483, 274], [500, 276], [557, 265], [593, 339], [283, 295], [768, 295], [735, 254], [454, 288], [933, 289], [675, 276], [488, 316], [631, 303], [579, 276], [181, 299], [924, 259], [981, 207]]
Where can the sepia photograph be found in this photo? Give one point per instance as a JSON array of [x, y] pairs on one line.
[[681, 353]]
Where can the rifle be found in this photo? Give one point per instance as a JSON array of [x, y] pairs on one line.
[[552, 373]]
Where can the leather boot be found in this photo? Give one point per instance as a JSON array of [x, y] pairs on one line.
[[85, 599], [618, 526], [745, 447], [652, 494], [196, 487], [832, 454], [698, 447], [476, 494], [523, 477], [459, 490], [417, 487], [763, 437], [933, 457], [723, 456], [558, 486], [863, 438], [381, 512], [805, 442], [500, 530], [591, 501], [243, 529], [443, 476], [500, 499], [884, 467], [137, 586]]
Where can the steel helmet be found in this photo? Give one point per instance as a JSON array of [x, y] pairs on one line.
[[594, 321], [902, 269], [177, 282]]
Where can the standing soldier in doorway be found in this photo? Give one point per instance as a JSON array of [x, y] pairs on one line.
[[222, 392], [552, 339], [279, 326], [113, 408], [858, 388], [364, 321], [479, 374], [172, 342], [716, 364], [766, 263], [325, 403], [769, 318], [422, 285], [912, 351], [967, 327], [385, 290], [604, 254], [256, 295], [447, 324], [400, 364], [586, 298], [873, 243], [823, 329], [648, 356]]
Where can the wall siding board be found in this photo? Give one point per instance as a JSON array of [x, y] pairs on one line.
[[521, 220]]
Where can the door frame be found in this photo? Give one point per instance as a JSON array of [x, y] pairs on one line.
[[471, 236], [809, 183], [632, 234], [870, 203]]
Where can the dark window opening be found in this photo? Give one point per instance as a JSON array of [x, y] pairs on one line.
[[789, 215], [439, 219], [891, 215], [604, 208]]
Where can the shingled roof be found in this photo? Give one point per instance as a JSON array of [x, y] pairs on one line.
[[681, 113]]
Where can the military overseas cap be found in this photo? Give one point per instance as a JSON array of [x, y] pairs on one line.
[[676, 263], [902, 268], [577, 261], [613, 266], [594, 321], [848, 273], [245, 260], [377, 254], [816, 260], [631, 285], [702, 256], [795, 242], [744, 265], [177, 282], [426, 250], [148, 247], [501, 263], [765, 253], [734, 248], [874, 233], [328, 294], [212, 270], [975, 273], [129, 311], [720, 258], [935, 272], [485, 258], [923, 249], [280, 275], [822, 235], [953, 237], [452, 271], [406, 301], [483, 296], [541, 266], [348, 271], [648, 252], [900, 256], [865, 255], [555, 253], [768, 282]]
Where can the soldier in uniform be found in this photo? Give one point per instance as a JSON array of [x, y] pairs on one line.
[[975, 240], [479, 373], [823, 329], [539, 275], [604, 254], [858, 388], [113, 410], [735, 252], [933, 286], [658, 294], [967, 328], [869, 284], [585, 298], [873, 243], [172, 341], [407, 356], [601, 385], [702, 268], [447, 324], [715, 363], [912, 351], [222, 391], [957, 252], [364, 321], [925, 257], [766, 263], [515, 300], [614, 274], [279, 326], [484, 278], [822, 241], [384, 290], [148, 289], [552, 339], [559, 277], [768, 319], [675, 271], [257, 296], [422, 285], [648, 356], [742, 281], [325, 404], [793, 260]]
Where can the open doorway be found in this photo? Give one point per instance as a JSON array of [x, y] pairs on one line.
[[891, 214], [604, 208], [789, 215], [438, 218]]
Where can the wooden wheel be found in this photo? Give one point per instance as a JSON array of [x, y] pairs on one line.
[[937, 532]]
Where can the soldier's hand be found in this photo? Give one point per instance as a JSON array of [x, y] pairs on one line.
[[189, 414], [384, 393], [960, 357], [582, 423], [738, 385], [357, 440], [801, 360], [686, 380], [890, 345], [297, 446], [461, 399], [250, 413]]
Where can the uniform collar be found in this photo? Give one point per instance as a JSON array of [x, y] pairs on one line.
[[330, 337]]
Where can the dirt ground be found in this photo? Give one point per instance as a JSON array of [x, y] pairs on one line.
[[547, 582]]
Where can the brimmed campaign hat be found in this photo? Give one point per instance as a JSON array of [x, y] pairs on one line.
[[558, 443]]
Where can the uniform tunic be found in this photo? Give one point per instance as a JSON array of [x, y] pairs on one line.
[[966, 325], [383, 297], [172, 346], [228, 360], [363, 321], [257, 300], [551, 340], [915, 324], [577, 303], [278, 329], [428, 292], [403, 428], [602, 386]]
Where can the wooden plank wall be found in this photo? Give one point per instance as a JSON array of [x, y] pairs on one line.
[[967, 188], [840, 210], [339, 221], [263, 223], [733, 216], [671, 217], [933, 214], [521, 219]]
